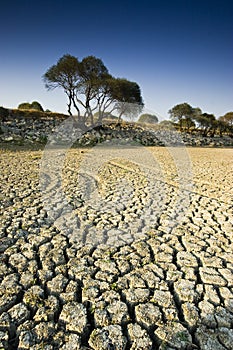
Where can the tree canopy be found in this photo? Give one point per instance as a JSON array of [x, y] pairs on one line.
[[227, 118], [183, 113], [89, 86]]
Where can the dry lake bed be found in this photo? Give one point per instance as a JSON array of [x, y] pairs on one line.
[[116, 248]]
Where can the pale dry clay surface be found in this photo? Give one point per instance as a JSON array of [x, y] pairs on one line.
[[151, 267]]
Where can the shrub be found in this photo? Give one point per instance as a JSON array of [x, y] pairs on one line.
[[34, 105], [148, 118]]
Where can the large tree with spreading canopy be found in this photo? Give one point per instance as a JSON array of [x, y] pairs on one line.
[[89, 86]]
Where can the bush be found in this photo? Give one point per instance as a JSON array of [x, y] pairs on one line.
[[148, 118], [24, 105], [34, 105], [37, 106]]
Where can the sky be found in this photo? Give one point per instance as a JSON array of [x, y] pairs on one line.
[[176, 50]]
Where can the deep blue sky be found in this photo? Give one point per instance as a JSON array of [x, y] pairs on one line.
[[176, 50]]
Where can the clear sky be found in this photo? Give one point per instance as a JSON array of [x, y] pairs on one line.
[[176, 50]]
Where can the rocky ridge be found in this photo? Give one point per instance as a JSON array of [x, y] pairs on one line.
[[21, 130]]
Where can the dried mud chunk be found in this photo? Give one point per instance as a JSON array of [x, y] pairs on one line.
[[207, 314], [19, 313], [57, 284], [191, 315], [72, 342], [74, 316], [110, 337], [185, 290], [48, 311], [138, 337], [211, 276], [137, 295], [163, 298], [26, 340], [226, 337], [33, 297], [9, 291], [207, 339], [4, 337], [175, 335], [148, 315]]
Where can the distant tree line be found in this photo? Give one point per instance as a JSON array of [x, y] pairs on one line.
[[90, 87], [191, 119]]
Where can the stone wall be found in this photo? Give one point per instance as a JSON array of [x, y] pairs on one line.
[[23, 130]]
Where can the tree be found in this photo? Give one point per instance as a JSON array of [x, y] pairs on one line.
[[66, 75], [222, 126], [127, 97], [148, 118], [93, 79], [89, 86], [228, 118], [181, 111], [225, 123], [207, 122], [187, 123]]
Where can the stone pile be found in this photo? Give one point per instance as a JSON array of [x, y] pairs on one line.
[[22, 130]]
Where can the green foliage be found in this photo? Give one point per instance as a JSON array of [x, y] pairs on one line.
[[148, 118], [187, 123], [206, 122], [184, 111], [227, 118], [34, 105], [37, 106], [127, 97], [24, 105], [65, 74], [180, 111], [89, 85]]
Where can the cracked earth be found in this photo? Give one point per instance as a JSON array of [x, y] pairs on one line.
[[143, 261]]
